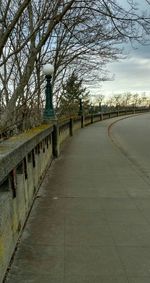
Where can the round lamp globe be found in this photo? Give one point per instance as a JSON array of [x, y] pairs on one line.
[[48, 69]]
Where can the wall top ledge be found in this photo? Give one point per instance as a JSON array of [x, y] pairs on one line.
[[14, 149]]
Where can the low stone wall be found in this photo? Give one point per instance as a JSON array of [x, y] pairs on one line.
[[77, 124], [24, 160], [64, 132], [88, 120]]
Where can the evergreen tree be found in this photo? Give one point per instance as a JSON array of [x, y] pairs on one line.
[[72, 91]]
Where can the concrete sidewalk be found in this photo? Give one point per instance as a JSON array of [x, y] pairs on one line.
[[89, 222]]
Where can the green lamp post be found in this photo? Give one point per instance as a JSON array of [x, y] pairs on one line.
[[80, 106], [100, 107], [49, 113]]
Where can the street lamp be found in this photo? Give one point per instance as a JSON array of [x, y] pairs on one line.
[[100, 107], [80, 105], [49, 112]]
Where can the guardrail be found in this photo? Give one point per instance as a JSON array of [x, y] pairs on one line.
[[24, 160]]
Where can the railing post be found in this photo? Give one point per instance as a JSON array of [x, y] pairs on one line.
[[82, 121], [71, 127], [13, 183], [101, 117], [55, 140]]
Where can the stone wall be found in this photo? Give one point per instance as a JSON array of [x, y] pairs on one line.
[[23, 162]]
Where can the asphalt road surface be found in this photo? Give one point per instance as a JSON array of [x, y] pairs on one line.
[[132, 136]]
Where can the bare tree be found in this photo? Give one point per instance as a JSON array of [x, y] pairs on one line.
[[77, 35], [10, 16]]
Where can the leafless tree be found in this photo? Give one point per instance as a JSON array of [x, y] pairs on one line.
[[76, 35]]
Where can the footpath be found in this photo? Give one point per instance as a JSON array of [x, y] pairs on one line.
[[88, 223]]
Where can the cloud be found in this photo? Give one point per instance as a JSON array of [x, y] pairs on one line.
[[131, 74]]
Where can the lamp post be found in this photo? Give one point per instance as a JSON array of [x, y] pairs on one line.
[[100, 106], [80, 105], [117, 107], [92, 112], [49, 113]]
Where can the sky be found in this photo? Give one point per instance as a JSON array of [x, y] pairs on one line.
[[131, 74]]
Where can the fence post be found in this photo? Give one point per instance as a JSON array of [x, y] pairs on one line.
[[82, 121], [71, 127], [55, 140]]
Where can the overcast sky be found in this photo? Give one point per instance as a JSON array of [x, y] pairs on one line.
[[131, 74]]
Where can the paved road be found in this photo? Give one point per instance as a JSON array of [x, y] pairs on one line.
[[90, 222], [132, 136]]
